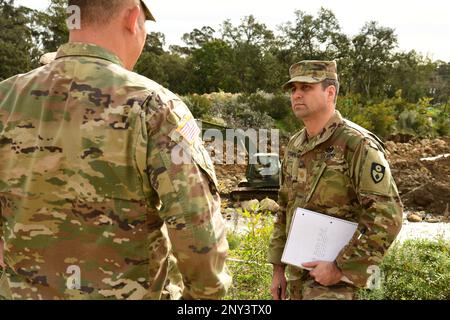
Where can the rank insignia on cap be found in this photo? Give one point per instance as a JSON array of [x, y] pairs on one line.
[[189, 129], [378, 172]]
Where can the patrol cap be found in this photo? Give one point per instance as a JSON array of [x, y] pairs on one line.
[[312, 71], [148, 14]]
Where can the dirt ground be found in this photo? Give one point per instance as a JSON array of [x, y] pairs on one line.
[[424, 185]]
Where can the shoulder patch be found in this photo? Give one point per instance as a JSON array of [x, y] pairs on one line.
[[375, 176], [377, 172]]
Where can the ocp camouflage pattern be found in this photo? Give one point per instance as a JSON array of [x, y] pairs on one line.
[[342, 172], [87, 180]]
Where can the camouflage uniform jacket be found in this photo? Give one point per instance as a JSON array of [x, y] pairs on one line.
[[343, 173], [91, 183]]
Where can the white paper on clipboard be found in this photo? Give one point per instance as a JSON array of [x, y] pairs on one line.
[[316, 237]]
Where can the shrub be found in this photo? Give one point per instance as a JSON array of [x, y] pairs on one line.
[[414, 270], [252, 274], [200, 106]]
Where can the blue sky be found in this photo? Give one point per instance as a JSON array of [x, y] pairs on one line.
[[420, 25]]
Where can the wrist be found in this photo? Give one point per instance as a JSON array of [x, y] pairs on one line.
[[339, 271], [279, 267]]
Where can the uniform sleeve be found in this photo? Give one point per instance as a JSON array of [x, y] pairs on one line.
[[1, 241], [278, 239], [1, 217], [381, 215], [182, 174]]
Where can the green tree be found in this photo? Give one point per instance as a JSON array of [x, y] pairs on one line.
[[155, 43], [371, 58], [51, 26], [440, 82], [194, 40], [314, 38], [251, 42], [149, 65], [211, 67], [411, 73], [18, 53], [177, 73]]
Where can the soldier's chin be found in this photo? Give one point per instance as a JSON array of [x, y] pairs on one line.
[[301, 113]]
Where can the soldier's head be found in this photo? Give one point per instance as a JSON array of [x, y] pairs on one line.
[[314, 87], [117, 25]]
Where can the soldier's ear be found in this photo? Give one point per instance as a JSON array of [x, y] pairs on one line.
[[132, 19], [331, 93]]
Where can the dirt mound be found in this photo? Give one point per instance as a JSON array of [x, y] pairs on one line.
[[229, 176], [421, 170]]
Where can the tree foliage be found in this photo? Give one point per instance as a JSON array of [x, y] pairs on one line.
[[250, 58], [17, 50]]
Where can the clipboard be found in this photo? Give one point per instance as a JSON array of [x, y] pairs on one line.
[[316, 237]]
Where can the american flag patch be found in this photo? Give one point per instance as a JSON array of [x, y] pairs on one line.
[[189, 130]]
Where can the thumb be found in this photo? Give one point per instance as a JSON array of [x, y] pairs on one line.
[[310, 264]]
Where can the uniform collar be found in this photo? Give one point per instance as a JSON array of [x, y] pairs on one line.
[[306, 145], [72, 49]]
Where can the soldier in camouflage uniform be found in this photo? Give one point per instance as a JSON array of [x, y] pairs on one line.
[[93, 195], [337, 168]]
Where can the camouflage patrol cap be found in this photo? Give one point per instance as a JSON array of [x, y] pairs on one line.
[[148, 14], [312, 71]]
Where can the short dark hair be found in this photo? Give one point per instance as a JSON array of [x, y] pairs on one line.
[[331, 82], [98, 12]]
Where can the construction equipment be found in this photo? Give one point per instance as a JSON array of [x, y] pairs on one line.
[[262, 178]]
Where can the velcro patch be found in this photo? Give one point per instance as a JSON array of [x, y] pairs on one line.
[[188, 129]]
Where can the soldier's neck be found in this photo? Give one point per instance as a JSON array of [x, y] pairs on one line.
[[314, 125], [101, 40]]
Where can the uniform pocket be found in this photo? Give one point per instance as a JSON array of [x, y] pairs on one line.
[[203, 160]]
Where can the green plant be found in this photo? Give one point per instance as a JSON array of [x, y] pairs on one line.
[[200, 106], [441, 118], [414, 270], [234, 240], [248, 261]]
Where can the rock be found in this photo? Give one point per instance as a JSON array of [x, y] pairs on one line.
[[229, 214], [440, 144], [432, 220], [250, 206], [423, 197], [269, 205], [414, 218]]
